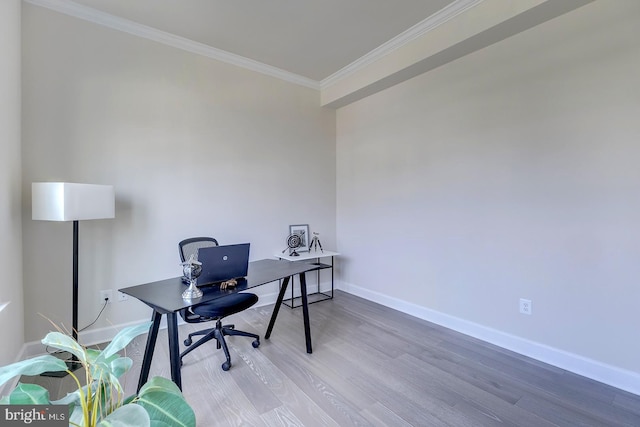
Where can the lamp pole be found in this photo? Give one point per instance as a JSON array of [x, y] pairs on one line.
[[74, 320]]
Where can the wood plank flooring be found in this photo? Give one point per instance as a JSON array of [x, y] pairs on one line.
[[373, 366]]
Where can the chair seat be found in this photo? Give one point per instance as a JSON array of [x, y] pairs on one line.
[[222, 307]]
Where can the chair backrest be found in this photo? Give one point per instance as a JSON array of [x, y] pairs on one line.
[[187, 247]]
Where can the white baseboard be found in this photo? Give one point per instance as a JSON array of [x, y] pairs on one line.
[[616, 377], [106, 334]]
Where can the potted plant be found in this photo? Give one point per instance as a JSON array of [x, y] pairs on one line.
[[101, 401]]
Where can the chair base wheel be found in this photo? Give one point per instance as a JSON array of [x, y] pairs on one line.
[[256, 343], [226, 366]]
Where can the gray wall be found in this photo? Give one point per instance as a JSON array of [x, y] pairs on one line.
[[512, 172], [11, 334], [193, 147]]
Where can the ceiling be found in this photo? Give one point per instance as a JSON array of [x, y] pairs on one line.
[[312, 39], [346, 49]]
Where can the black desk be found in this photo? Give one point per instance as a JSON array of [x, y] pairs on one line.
[[165, 297]]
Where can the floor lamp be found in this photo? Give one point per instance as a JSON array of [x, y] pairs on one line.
[[65, 201]]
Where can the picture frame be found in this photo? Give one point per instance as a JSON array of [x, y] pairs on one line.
[[303, 231]]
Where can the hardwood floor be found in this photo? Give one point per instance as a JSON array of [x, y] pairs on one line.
[[373, 366]]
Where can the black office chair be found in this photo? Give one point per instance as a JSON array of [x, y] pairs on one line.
[[214, 310]]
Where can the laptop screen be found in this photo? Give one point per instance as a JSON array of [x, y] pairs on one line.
[[220, 263]]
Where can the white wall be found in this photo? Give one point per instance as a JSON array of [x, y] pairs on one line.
[[192, 146], [11, 317], [512, 172]]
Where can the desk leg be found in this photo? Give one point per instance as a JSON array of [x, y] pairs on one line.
[[174, 349], [276, 309], [148, 351], [305, 311]]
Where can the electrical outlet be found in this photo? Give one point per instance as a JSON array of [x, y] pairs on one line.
[[106, 294], [525, 306], [122, 296]]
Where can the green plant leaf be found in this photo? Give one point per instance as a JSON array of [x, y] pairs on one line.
[[29, 394], [75, 405], [70, 399], [111, 369], [95, 357], [123, 338], [120, 365], [160, 384], [129, 399], [165, 404], [34, 366], [65, 342], [92, 354], [77, 416], [127, 416]]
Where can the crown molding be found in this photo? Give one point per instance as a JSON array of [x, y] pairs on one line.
[[418, 30], [89, 14], [76, 10]]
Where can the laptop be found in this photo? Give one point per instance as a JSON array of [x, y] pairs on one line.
[[220, 263]]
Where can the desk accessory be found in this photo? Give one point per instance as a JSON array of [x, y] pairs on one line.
[[65, 201], [303, 239], [293, 242], [191, 269], [232, 283], [315, 242]]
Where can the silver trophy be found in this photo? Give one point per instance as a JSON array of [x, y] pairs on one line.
[[191, 269]]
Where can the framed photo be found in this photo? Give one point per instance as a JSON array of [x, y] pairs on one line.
[[301, 230]]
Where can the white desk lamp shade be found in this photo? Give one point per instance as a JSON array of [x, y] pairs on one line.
[[66, 201]]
